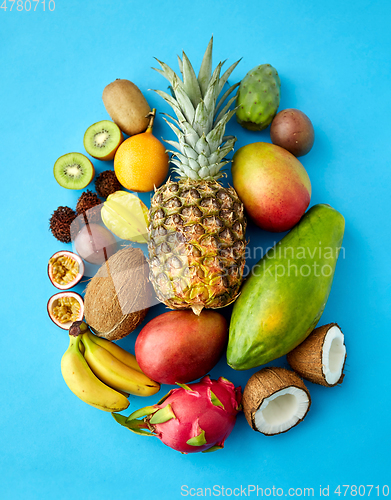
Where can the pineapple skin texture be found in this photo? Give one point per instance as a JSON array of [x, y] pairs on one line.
[[258, 97], [197, 244]]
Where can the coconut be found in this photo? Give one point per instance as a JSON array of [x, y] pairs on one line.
[[321, 357], [275, 400], [118, 297]]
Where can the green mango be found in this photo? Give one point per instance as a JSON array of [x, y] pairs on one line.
[[285, 295]]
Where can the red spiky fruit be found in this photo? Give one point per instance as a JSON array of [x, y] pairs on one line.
[[195, 417]]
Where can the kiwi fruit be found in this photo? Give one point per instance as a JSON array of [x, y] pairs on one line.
[[73, 171], [126, 106], [102, 139]]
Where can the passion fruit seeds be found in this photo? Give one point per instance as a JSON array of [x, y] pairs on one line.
[[65, 269], [64, 308]]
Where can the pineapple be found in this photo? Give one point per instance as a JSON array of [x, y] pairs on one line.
[[197, 226]]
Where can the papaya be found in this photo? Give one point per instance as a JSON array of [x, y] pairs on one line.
[[284, 297]]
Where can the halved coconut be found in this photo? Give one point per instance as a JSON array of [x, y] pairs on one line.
[[275, 400], [321, 357], [64, 308], [65, 269]]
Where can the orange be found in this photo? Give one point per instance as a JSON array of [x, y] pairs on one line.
[[141, 161]]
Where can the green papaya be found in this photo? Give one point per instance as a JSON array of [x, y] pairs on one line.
[[284, 297]]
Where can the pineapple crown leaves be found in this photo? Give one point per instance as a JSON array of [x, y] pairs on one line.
[[200, 119]]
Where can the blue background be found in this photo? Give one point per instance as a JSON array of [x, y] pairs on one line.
[[334, 64]]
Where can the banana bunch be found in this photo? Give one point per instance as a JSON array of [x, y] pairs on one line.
[[101, 373]]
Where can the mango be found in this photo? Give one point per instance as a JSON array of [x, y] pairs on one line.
[[178, 346], [284, 297], [273, 185]]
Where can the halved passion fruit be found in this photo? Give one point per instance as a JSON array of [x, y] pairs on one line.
[[64, 308], [65, 269]]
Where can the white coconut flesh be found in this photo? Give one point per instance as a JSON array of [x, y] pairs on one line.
[[282, 410], [333, 355]]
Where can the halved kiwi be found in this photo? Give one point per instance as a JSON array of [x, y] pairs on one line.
[[73, 171], [102, 139]]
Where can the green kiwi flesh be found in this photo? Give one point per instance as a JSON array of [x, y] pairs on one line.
[[102, 139], [73, 171]]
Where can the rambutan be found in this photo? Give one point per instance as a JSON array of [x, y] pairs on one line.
[[89, 202], [107, 183], [60, 223]]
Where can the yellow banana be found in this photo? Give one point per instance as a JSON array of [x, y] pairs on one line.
[[126, 394], [116, 374], [117, 351], [81, 381]]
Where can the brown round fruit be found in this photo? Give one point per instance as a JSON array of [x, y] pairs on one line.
[[65, 269], [107, 183], [127, 106], [179, 346], [64, 308], [292, 130], [118, 297], [61, 222], [86, 202]]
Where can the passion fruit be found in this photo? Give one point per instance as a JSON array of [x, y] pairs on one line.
[[65, 269], [64, 308], [292, 130]]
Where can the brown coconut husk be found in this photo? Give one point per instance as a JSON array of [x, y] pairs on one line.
[[306, 358], [118, 297], [262, 385]]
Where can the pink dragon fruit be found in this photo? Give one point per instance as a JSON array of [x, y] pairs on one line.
[[192, 418]]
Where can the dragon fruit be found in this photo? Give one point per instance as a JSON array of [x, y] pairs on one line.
[[192, 418]]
